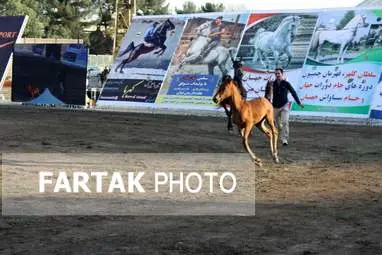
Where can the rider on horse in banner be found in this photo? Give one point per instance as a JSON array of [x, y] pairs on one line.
[[216, 31], [150, 35]]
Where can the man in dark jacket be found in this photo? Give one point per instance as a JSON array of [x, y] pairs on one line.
[[277, 92]]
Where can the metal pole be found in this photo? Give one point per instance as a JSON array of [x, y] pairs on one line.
[[129, 12], [115, 27]]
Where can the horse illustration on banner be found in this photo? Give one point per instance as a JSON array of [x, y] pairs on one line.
[[217, 56], [157, 41], [342, 37], [276, 44]]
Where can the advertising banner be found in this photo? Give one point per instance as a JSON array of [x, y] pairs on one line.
[[331, 58], [274, 40], [342, 66], [147, 48], [144, 56], [133, 90], [49, 74], [11, 29], [205, 53]]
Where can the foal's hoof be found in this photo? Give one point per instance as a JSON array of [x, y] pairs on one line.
[[276, 159], [258, 162]]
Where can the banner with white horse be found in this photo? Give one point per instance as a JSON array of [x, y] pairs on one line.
[[205, 53], [331, 57], [343, 65], [337, 38], [274, 41]]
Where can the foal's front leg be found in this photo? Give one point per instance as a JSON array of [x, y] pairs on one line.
[[247, 131], [230, 126], [229, 116]]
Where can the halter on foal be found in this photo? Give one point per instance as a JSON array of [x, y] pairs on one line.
[[246, 114]]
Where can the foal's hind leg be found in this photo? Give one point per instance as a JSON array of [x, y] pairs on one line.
[[255, 159], [268, 133]]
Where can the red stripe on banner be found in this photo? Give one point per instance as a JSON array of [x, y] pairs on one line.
[[6, 44], [255, 17], [251, 70]]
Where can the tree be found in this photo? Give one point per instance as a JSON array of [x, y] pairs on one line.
[[32, 8], [100, 42], [106, 9], [67, 18], [348, 16], [188, 7], [153, 7], [211, 7]]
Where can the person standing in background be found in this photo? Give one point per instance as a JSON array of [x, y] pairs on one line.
[[277, 92]]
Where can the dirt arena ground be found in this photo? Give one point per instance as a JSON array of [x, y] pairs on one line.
[[324, 197]]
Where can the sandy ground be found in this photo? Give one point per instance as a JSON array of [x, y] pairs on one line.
[[324, 197]]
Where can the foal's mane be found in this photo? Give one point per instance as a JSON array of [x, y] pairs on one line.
[[227, 80], [235, 88]]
